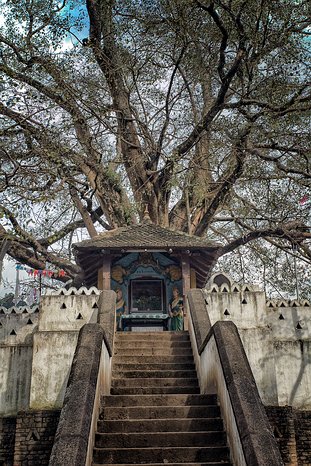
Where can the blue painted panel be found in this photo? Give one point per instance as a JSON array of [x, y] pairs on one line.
[[155, 265]]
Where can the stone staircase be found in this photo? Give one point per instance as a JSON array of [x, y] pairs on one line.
[[155, 414]]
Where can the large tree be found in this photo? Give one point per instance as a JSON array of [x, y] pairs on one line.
[[199, 110]]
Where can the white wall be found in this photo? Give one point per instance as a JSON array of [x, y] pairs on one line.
[[60, 319], [35, 362], [17, 327], [212, 380], [279, 353]]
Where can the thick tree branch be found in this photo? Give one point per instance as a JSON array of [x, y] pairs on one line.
[[84, 213], [102, 179], [224, 41], [167, 102], [226, 182], [283, 168], [23, 234], [105, 51], [24, 254], [296, 103], [288, 233]]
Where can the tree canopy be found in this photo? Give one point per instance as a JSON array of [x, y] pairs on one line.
[[199, 110]]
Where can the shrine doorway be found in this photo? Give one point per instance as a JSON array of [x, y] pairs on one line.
[[147, 295]]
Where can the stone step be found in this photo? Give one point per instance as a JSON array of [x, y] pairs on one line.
[[155, 414], [157, 336], [186, 389], [159, 412], [152, 366], [155, 374], [161, 425], [145, 344], [158, 400], [127, 335], [156, 351], [158, 455], [213, 463], [166, 359], [153, 382], [160, 439], [150, 335]]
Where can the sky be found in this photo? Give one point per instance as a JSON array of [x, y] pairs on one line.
[[7, 284]]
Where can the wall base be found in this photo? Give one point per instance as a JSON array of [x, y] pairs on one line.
[[292, 430], [27, 439]]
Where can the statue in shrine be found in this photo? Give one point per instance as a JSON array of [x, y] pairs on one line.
[[176, 311], [120, 308]]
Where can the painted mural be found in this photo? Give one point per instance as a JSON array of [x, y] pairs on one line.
[[145, 281]]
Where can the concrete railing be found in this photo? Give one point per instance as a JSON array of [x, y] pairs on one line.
[[223, 368], [89, 379]]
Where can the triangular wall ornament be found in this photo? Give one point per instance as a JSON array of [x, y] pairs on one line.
[[95, 306], [281, 317], [298, 326], [79, 316], [244, 301], [29, 322], [63, 306], [13, 332], [33, 435], [235, 289], [226, 313]]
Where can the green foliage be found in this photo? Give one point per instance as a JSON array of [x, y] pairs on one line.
[[171, 101]]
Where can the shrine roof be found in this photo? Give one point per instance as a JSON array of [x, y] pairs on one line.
[[142, 236], [145, 237]]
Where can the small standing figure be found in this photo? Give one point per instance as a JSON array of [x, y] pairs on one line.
[[176, 311], [120, 307]]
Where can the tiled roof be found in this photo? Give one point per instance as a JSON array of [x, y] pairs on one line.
[[143, 236], [89, 253]]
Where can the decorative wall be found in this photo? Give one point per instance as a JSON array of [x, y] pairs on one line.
[[276, 337], [36, 348], [17, 327]]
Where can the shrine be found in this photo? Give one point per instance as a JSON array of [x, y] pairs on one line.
[[66, 352], [147, 266]]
